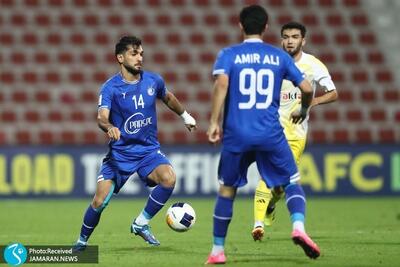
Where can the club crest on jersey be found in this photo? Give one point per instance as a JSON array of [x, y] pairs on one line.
[[136, 122], [150, 91]]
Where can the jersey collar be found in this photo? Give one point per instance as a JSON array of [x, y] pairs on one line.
[[252, 40], [128, 82]]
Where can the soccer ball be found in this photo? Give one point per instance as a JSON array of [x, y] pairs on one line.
[[180, 217]]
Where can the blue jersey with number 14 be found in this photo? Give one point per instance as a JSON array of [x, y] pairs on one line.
[[256, 71], [132, 108]]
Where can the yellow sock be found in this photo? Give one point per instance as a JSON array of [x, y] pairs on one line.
[[262, 197]]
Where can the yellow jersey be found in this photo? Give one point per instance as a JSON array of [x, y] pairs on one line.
[[317, 74]]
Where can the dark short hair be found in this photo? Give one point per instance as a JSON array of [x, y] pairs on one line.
[[253, 19], [294, 25], [124, 42]]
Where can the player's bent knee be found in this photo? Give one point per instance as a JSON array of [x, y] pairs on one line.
[[227, 191], [168, 180], [99, 203]]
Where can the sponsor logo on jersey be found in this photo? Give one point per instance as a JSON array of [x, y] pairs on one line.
[[290, 96], [136, 122]]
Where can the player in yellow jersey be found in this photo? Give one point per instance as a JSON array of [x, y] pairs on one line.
[[293, 41]]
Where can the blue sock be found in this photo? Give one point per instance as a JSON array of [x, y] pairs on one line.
[[222, 217], [157, 199], [295, 202], [90, 221]]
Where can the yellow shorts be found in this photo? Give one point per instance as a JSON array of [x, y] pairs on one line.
[[297, 147]]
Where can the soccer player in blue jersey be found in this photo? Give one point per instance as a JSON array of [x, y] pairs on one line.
[[248, 79], [127, 113]]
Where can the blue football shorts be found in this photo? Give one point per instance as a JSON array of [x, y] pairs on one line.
[[120, 171], [276, 166]]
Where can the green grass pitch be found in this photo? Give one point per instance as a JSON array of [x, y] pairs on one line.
[[350, 232]]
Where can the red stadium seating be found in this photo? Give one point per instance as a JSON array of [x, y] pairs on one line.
[[66, 20], [3, 138], [18, 58], [346, 96], [41, 58], [169, 116], [397, 116], [311, 20], [31, 3], [181, 95], [23, 137], [211, 20], [183, 57], [276, 3], [42, 96], [68, 137], [331, 115], [359, 19], [43, 20], [46, 137], [8, 117], [30, 77], [341, 136], [54, 60], [77, 116], [335, 20], [327, 3], [392, 95], [351, 3], [369, 96], [363, 136], [55, 116], [377, 115], [351, 57], [178, 3], [32, 116], [301, 3], [375, 57], [387, 135], [318, 136], [20, 97], [90, 137], [354, 115], [180, 136], [139, 20]]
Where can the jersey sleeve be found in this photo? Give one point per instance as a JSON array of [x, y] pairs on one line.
[[322, 76], [105, 97], [293, 74], [161, 88], [222, 64]]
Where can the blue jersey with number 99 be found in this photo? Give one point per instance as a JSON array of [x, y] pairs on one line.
[[256, 71]]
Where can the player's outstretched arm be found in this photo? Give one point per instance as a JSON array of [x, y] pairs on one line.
[[217, 101], [173, 104], [306, 98], [103, 121], [328, 97]]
